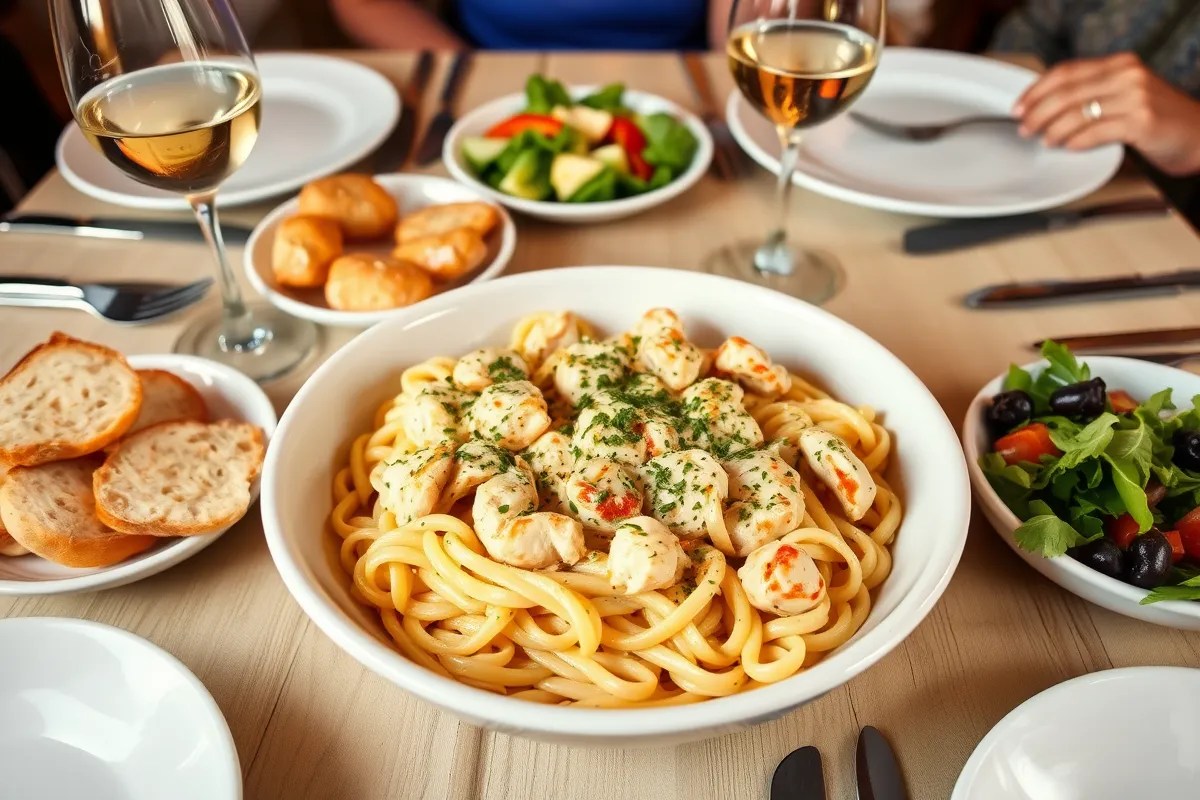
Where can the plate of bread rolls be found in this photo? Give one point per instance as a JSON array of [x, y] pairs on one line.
[[351, 249], [113, 469]]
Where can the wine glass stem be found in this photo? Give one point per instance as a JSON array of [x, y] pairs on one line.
[[239, 333], [774, 255]]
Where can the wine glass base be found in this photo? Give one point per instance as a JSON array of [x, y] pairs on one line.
[[265, 344], [815, 276]]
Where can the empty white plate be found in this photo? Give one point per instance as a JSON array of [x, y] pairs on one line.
[[91, 711], [1112, 735], [978, 171], [319, 115]]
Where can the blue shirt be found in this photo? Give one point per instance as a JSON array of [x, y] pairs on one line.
[[584, 24]]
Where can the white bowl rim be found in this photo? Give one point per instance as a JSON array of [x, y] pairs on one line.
[[841, 666], [365, 319], [970, 770], [555, 209], [971, 429]]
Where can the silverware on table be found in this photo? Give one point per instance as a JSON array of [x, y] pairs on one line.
[[1147, 338], [1016, 295], [393, 154], [928, 132], [129, 303], [1172, 358], [430, 149], [876, 769], [117, 228], [728, 161], [943, 236], [799, 776]]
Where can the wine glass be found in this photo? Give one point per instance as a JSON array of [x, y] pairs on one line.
[[801, 63], [167, 91]]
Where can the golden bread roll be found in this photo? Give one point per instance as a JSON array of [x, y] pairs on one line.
[[360, 206], [303, 249], [446, 256], [437, 220], [364, 282]]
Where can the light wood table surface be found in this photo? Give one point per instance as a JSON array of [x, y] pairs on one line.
[[309, 722]]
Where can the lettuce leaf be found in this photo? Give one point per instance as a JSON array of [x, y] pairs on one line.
[[543, 94]]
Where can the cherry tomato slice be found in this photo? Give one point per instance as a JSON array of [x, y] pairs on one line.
[[543, 124], [1121, 402], [1027, 444], [1177, 549], [1122, 530]]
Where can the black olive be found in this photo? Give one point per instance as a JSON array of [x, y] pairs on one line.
[[1187, 449], [1007, 411], [1148, 560], [1082, 401], [1102, 555]]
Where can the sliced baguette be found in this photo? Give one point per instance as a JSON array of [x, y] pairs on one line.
[[167, 397], [179, 478], [66, 398], [50, 510]]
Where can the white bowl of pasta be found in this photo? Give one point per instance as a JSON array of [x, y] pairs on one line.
[[609, 542]]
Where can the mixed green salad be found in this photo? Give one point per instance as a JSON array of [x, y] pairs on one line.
[[584, 151], [1098, 475]]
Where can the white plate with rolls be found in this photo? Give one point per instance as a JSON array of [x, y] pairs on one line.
[[330, 254]]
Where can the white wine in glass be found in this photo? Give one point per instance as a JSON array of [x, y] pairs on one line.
[[799, 63], [168, 92]]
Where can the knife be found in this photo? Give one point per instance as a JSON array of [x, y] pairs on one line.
[[799, 776], [393, 153], [943, 236], [117, 228], [1101, 341], [876, 769], [431, 145], [1017, 295]]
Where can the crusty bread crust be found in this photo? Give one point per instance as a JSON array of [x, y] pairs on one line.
[[167, 397], [65, 399], [179, 478], [441, 219]]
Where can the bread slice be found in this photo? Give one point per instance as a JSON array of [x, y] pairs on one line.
[[50, 510], [179, 478], [167, 397], [66, 398]]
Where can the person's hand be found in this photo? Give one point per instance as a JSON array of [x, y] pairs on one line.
[[1135, 107]]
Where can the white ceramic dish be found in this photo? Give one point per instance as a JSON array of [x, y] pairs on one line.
[[979, 171], [319, 115], [412, 192], [339, 401], [229, 395], [481, 119], [1112, 735], [1141, 379], [88, 710]]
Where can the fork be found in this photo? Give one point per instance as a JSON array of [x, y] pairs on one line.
[[126, 303], [727, 162], [926, 133]]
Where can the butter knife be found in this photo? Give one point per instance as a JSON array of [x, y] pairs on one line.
[[1148, 338], [956, 234], [876, 768], [117, 228], [431, 144], [1017, 295], [394, 152], [799, 776]]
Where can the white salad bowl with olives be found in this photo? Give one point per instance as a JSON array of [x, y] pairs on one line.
[[1108, 446]]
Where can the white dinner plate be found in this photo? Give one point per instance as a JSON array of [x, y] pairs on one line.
[[979, 171], [91, 711], [229, 395], [1112, 735], [319, 115]]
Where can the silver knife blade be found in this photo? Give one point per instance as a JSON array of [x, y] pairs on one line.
[[1148, 338], [876, 768], [394, 152], [799, 776], [430, 149], [117, 228], [1017, 295]]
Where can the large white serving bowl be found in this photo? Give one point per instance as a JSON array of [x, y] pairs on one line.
[[478, 121], [1141, 379], [339, 401]]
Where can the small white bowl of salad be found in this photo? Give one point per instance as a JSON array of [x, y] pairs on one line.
[[585, 154], [1089, 468]]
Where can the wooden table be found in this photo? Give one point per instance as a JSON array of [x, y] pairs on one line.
[[309, 722]]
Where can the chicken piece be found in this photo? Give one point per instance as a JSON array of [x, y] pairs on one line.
[[681, 487], [716, 418], [513, 533], [618, 431], [512, 415], [644, 556], [589, 367], [655, 320], [480, 368], [477, 462], [645, 385], [434, 414], [752, 368], [602, 492], [549, 332], [410, 485], [768, 500], [838, 468], [552, 462], [782, 579]]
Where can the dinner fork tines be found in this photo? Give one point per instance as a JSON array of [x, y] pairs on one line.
[[930, 132], [129, 303]]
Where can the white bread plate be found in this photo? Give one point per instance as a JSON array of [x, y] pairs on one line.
[[229, 395], [412, 192]]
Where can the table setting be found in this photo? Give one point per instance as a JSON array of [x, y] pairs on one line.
[[539, 424]]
